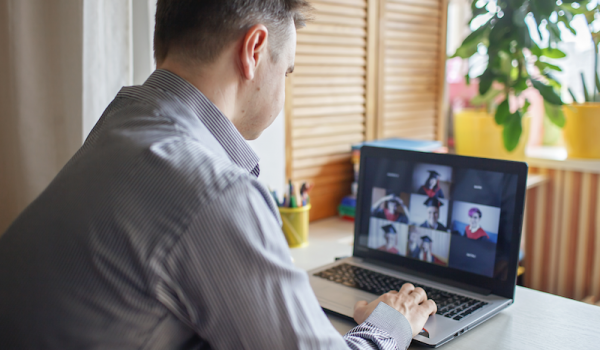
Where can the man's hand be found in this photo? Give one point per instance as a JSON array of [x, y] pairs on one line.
[[410, 301]]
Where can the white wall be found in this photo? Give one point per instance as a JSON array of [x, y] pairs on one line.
[[270, 147]]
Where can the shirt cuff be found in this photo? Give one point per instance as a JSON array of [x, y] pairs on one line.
[[393, 322]]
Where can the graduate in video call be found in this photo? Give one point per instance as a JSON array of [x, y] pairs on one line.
[[433, 214], [391, 208], [414, 243], [390, 239], [431, 188], [426, 254], [474, 230]]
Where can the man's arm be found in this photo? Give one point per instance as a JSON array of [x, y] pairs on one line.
[[231, 278]]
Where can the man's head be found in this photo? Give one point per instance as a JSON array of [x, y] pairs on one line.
[[433, 205], [433, 215], [199, 30], [390, 234], [237, 52], [475, 217]]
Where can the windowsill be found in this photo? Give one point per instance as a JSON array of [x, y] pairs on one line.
[[556, 158]]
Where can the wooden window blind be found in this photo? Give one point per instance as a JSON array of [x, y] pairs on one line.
[[412, 60], [332, 99]]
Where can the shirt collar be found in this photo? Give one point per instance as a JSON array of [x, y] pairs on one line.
[[215, 121]]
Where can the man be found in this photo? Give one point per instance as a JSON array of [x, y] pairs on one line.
[[426, 253], [433, 214], [474, 230], [134, 245], [414, 242], [391, 239]]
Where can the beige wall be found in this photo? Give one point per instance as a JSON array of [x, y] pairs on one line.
[[40, 114]]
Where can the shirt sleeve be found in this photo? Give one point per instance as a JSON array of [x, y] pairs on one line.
[[230, 277]]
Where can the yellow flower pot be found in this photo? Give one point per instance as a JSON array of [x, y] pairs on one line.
[[581, 130], [476, 134]]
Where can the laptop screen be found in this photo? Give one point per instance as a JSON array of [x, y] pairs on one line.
[[446, 211]]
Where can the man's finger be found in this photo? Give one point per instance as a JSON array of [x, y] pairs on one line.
[[430, 306], [419, 295], [407, 288]]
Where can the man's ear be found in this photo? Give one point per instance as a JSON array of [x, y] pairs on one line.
[[254, 50]]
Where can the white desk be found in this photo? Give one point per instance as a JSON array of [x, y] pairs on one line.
[[535, 321]]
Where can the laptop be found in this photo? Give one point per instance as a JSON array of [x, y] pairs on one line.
[[449, 224]]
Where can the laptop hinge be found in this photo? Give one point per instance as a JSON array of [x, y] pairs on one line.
[[468, 287]]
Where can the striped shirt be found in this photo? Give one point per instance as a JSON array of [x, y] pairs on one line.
[[157, 235]]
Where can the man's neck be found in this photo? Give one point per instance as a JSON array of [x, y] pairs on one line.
[[216, 81]]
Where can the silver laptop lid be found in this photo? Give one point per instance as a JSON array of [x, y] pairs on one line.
[[449, 217]]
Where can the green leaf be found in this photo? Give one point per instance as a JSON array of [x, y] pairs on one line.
[[512, 131], [586, 94], [567, 7], [520, 85], [552, 80], [501, 29], [572, 95], [487, 99], [520, 14], [502, 112], [545, 65], [523, 37], [554, 32], [547, 92], [566, 20], [469, 46], [553, 53], [596, 38], [526, 106], [542, 8], [535, 50], [590, 16], [555, 114], [485, 81]]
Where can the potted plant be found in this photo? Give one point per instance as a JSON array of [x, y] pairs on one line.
[[512, 54], [583, 118]]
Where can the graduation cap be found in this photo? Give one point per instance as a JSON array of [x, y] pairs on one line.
[[426, 239], [389, 229], [433, 202], [434, 173]]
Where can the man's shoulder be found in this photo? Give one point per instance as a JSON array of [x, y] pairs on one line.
[[190, 164]]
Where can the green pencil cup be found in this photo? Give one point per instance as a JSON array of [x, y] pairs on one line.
[[295, 225]]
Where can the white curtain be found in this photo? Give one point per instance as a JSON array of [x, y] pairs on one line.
[[61, 63]]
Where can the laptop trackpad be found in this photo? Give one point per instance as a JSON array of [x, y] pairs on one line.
[[344, 296]]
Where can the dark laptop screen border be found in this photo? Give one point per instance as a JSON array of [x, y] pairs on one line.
[[508, 245]]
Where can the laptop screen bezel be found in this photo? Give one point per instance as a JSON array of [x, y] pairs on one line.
[[501, 285]]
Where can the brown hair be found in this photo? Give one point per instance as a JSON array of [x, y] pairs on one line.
[[198, 30]]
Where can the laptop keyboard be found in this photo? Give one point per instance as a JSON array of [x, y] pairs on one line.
[[450, 305]]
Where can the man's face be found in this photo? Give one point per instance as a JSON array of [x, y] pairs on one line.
[[267, 93], [433, 214], [475, 220]]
